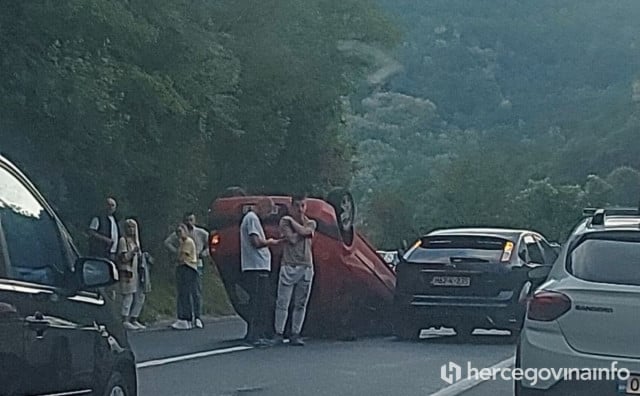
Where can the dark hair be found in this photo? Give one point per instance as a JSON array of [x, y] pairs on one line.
[[298, 198], [187, 214]]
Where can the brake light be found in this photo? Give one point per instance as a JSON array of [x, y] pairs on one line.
[[547, 306], [214, 241], [506, 252]]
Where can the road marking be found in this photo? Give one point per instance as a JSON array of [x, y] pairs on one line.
[[174, 359], [468, 383]]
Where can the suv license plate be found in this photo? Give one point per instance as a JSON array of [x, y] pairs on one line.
[[633, 385], [456, 281]]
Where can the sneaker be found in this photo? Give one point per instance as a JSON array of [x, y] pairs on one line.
[[129, 326], [139, 325], [181, 325], [198, 323], [262, 343], [296, 340], [278, 339]]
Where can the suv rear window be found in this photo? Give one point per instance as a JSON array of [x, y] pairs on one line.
[[446, 249], [606, 258]]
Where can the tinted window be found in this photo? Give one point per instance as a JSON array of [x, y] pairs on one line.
[[535, 253], [550, 253], [445, 249], [607, 260], [31, 234]]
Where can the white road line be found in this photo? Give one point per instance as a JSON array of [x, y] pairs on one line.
[[468, 383], [162, 362]]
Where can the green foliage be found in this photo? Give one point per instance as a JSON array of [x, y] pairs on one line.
[[513, 113], [163, 104]]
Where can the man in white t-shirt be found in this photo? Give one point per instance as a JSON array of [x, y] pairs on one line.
[[104, 232], [255, 259]]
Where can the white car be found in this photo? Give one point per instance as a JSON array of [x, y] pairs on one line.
[[582, 331]]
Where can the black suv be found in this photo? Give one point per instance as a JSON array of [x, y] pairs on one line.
[[468, 278], [60, 332]]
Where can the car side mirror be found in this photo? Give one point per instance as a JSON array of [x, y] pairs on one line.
[[96, 272], [539, 273]]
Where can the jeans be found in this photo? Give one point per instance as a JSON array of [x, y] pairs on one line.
[[200, 289], [258, 325], [188, 301]]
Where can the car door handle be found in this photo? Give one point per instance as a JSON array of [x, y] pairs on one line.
[[38, 324]]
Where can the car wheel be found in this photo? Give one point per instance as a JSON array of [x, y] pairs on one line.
[[116, 386], [518, 389], [464, 331], [345, 208], [407, 331]]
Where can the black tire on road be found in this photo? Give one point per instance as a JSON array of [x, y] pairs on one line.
[[465, 331], [345, 208], [406, 330], [116, 386], [518, 389]]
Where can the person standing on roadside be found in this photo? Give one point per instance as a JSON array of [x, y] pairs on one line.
[[104, 233], [201, 238], [129, 264], [255, 259], [186, 280], [296, 270]]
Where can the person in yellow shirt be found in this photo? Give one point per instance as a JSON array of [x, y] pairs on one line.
[[186, 280]]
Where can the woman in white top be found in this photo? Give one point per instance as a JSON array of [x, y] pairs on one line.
[[133, 295]]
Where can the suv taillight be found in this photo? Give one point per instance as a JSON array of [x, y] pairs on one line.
[[547, 306]]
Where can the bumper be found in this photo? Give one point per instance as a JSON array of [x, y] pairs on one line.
[[542, 346], [502, 310]]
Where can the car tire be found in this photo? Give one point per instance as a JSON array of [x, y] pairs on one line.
[[345, 208], [116, 386], [465, 331], [518, 389], [407, 331]]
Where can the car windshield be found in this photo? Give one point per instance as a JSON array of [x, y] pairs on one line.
[[446, 249], [608, 259]]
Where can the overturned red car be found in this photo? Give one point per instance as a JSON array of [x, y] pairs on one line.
[[353, 287]]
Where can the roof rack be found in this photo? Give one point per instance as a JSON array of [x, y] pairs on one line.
[[598, 215]]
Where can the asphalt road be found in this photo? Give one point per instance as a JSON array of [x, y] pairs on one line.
[[212, 362]]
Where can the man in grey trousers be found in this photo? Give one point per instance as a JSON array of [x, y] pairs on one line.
[[296, 270]]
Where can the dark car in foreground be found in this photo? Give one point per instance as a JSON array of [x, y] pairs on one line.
[[352, 290], [60, 333], [467, 278]]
